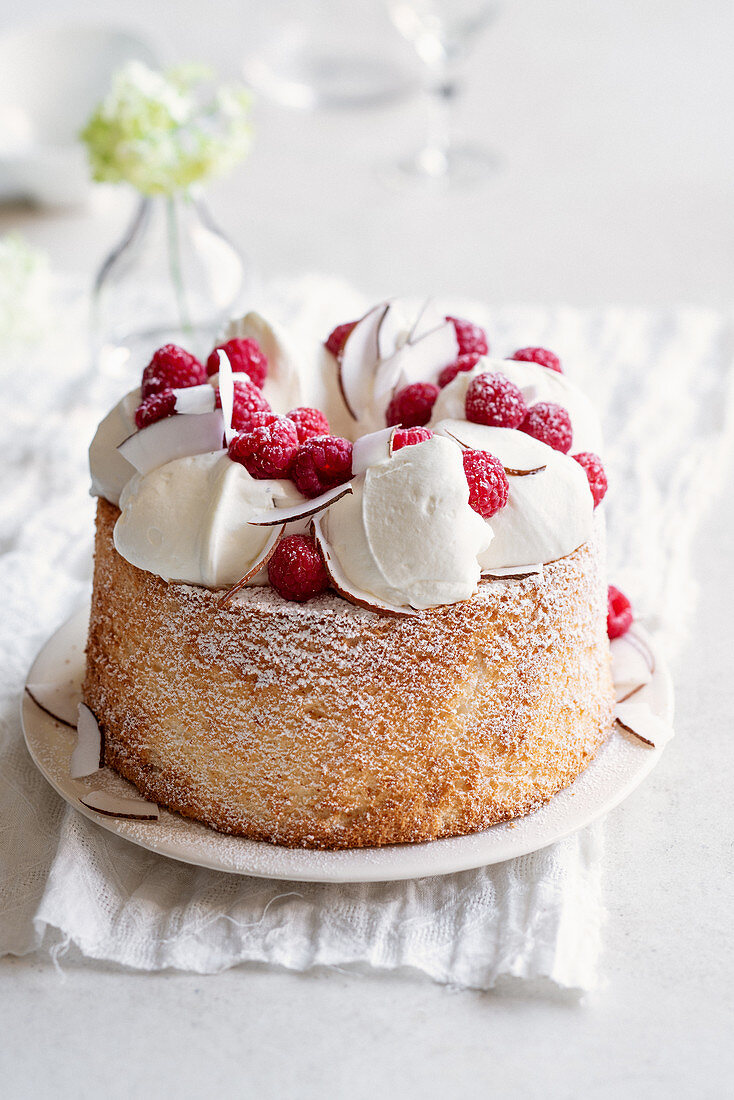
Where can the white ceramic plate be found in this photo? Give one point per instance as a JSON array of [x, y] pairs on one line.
[[620, 766]]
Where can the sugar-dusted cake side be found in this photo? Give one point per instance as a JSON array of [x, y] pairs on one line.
[[325, 726]]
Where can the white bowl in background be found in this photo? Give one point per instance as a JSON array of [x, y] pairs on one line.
[[51, 78]]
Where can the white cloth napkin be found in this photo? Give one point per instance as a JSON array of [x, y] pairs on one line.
[[662, 385]]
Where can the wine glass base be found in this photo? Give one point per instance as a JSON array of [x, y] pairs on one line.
[[454, 166], [311, 82]]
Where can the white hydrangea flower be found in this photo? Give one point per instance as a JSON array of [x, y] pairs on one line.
[[163, 132]]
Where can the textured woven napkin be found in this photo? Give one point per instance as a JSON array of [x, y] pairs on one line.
[[664, 392]]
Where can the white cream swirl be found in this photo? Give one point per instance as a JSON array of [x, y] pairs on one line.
[[110, 471], [188, 520], [547, 515], [407, 535], [537, 383]]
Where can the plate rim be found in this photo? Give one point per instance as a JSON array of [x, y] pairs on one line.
[[390, 863]]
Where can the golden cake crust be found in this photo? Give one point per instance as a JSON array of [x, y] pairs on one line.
[[326, 726]]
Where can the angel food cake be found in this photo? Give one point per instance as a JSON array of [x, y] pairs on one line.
[[351, 597]]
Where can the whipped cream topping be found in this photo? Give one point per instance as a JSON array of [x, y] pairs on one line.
[[283, 383], [110, 471], [406, 537], [537, 383], [547, 515], [308, 379], [407, 534], [188, 520]]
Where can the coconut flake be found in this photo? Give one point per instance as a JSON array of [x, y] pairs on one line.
[[115, 805], [639, 720], [429, 317], [87, 755], [357, 361], [642, 648], [301, 510], [510, 471], [513, 572], [262, 559], [174, 437], [226, 394], [392, 332], [60, 700], [370, 449], [523, 473], [195, 399], [631, 669], [423, 360], [450, 435], [387, 377], [344, 586]]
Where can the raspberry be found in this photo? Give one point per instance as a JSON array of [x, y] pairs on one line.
[[267, 450], [550, 424], [296, 570], [411, 407], [464, 362], [156, 407], [407, 437], [309, 422], [245, 357], [488, 484], [172, 368], [539, 355], [338, 337], [249, 407], [472, 339], [492, 399], [619, 613], [595, 473], [322, 462]]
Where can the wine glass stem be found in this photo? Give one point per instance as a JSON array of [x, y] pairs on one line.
[[442, 97]]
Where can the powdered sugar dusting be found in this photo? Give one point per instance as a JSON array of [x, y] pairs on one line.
[[326, 725]]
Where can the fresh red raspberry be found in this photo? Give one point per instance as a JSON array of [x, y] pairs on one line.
[[492, 399], [309, 422], [539, 355], [619, 613], [411, 407], [407, 437], [322, 462], [338, 337], [472, 339], [267, 450], [296, 570], [551, 424], [245, 357], [464, 362], [595, 473], [172, 368], [488, 484], [156, 407], [249, 408]]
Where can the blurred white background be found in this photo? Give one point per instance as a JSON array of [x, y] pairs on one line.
[[612, 120]]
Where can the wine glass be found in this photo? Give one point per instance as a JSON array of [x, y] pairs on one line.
[[325, 54], [442, 33]]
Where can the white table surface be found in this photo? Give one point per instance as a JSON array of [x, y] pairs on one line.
[[613, 121]]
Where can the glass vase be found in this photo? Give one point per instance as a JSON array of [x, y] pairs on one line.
[[174, 278]]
